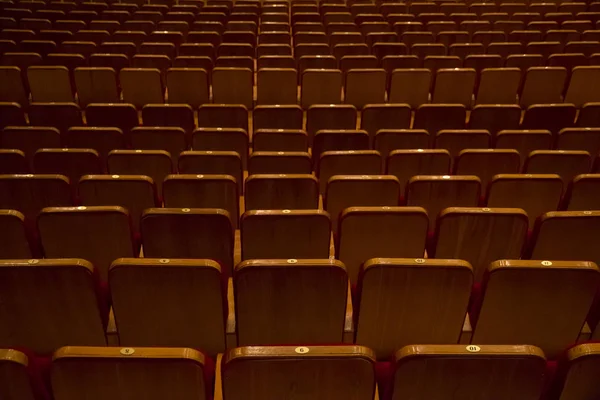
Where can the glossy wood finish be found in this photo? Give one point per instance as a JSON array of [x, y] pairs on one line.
[[584, 193], [281, 192], [290, 301], [48, 304], [445, 372], [347, 162], [582, 369], [72, 163], [202, 191], [29, 194], [547, 307], [13, 236], [535, 194], [435, 193], [567, 164], [404, 300], [480, 235], [282, 234], [212, 162], [156, 164], [169, 302], [566, 235], [279, 162], [345, 191], [98, 234], [321, 373], [135, 193], [189, 233], [486, 163], [377, 232], [14, 379], [150, 373]]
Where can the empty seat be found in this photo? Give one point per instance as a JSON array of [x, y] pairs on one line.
[[29, 139], [232, 86], [318, 318], [345, 191], [486, 235], [553, 117], [347, 373], [577, 371], [330, 117], [81, 323], [485, 163], [121, 115], [565, 235], [481, 372], [365, 86], [49, 84], [59, 115], [279, 162], [543, 85], [193, 287], [524, 141], [457, 140], [100, 139], [188, 86], [188, 233], [223, 116], [567, 287], [202, 191], [141, 86], [404, 164], [375, 117], [12, 89], [14, 242], [212, 162], [498, 86], [180, 115], [346, 162], [277, 117], [15, 376], [282, 234], [135, 193], [566, 163], [535, 194], [321, 87], [583, 193], [13, 162], [454, 86], [410, 86], [339, 139], [435, 117], [435, 193], [396, 307], [222, 139], [281, 192], [586, 139], [99, 234], [582, 79], [367, 232], [96, 85], [277, 86], [76, 370]]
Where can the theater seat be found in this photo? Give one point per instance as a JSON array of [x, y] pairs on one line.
[[13, 236], [42, 317], [185, 296], [544, 303], [579, 370], [290, 301], [307, 372], [140, 372], [99, 234], [14, 379], [401, 298], [477, 372], [188, 233]]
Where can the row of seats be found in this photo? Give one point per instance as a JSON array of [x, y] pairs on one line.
[[361, 87], [417, 372], [430, 117], [104, 233], [398, 302], [30, 139]]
